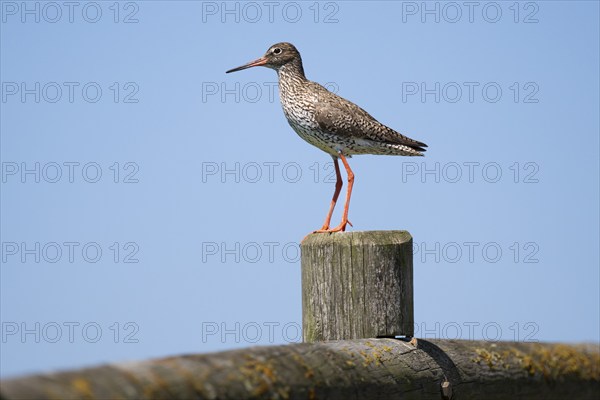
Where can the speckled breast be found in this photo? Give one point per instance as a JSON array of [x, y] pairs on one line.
[[314, 137]]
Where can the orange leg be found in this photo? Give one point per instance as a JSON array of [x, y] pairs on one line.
[[336, 194], [342, 226]]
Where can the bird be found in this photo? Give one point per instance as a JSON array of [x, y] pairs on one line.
[[330, 122]]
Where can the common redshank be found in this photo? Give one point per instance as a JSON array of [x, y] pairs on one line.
[[330, 122]]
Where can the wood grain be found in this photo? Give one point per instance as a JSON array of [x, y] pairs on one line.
[[357, 285]]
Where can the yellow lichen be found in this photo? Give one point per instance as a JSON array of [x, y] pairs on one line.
[[375, 357], [82, 386], [193, 380], [492, 359], [551, 362], [558, 361], [308, 373], [261, 376]]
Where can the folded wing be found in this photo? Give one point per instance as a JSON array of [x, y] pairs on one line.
[[341, 117]]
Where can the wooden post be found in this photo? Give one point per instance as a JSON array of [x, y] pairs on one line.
[[357, 285]]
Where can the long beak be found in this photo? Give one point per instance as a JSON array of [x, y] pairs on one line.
[[255, 63]]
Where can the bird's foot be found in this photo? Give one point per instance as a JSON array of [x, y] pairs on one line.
[[340, 228], [324, 228]]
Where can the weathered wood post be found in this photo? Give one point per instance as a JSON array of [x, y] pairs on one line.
[[357, 285]]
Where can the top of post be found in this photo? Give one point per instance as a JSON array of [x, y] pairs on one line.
[[361, 237]]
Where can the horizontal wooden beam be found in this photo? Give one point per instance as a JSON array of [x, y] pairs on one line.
[[356, 369]]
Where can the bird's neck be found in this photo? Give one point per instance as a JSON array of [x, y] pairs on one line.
[[292, 70]]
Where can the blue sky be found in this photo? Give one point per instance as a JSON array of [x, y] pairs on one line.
[[152, 205]]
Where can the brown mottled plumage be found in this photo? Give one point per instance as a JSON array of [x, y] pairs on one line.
[[328, 121]]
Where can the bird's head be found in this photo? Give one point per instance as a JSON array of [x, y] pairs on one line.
[[277, 56]]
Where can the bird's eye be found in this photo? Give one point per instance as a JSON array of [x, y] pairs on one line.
[[276, 50]]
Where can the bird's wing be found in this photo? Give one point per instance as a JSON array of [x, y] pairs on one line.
[[341, 117]]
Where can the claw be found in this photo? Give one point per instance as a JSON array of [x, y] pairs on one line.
[[340, 228]]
